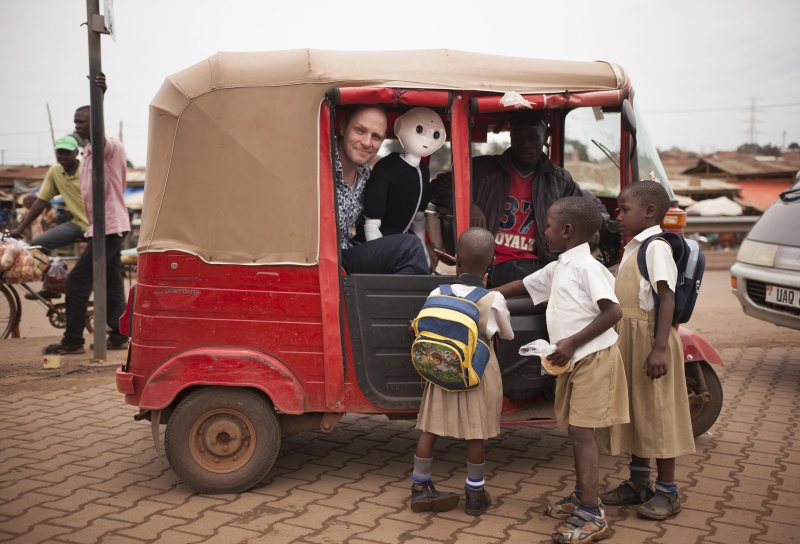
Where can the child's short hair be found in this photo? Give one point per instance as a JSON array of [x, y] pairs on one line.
[[582, 214], [650, 192], [476, 247]]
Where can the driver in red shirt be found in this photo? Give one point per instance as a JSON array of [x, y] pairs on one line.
[[511, 194]]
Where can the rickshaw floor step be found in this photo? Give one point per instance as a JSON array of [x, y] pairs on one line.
[[544, 410]]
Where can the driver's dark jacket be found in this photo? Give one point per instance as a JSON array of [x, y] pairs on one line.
[[491, 184]]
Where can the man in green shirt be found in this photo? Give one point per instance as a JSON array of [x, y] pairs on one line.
[[62, 179]]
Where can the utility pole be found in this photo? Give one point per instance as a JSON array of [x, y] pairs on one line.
[[752, 122], [120, 130], [3, 153], [52, 132], [98, 142]]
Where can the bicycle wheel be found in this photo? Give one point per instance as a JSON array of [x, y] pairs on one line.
[[8, 311]]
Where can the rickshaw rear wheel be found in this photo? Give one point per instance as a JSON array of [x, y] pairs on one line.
[[704, 415], [222, 439]]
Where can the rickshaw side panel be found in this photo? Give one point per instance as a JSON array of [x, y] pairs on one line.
[[238, 367], [272, 310], [379, 308]]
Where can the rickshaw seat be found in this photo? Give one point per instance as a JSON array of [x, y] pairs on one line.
[[523, 305]]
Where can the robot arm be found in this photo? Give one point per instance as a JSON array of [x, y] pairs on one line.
[[372, 229], [418, 228]]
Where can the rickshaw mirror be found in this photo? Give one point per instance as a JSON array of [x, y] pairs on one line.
[[628, 118]]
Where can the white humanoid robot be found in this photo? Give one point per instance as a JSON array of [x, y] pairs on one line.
[[398, 186]]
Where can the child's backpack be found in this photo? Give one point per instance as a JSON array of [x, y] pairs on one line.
[[691, 264], [449, 351]]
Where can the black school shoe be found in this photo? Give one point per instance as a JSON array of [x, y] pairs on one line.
[[660, 506], [425, 498], [478, 500]]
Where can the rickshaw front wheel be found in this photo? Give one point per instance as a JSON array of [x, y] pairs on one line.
[[222, 439], [704, 414]]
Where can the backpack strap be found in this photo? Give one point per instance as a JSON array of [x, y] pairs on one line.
[[446, 290], [641, 257], [476, 294]]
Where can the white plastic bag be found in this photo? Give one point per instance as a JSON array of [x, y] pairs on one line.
[[513, 98], [541, 348]]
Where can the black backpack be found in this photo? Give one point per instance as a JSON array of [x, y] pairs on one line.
[[691, 264]]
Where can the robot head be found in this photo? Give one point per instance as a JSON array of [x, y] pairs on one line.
[[421, 131]]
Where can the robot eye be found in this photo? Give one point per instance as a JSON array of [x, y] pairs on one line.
[[436, 135], [419, 129]]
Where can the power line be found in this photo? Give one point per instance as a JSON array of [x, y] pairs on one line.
[[734, 108]]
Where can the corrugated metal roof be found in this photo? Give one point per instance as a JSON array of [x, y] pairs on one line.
[[134, 176], [748, 168], [32, 173]]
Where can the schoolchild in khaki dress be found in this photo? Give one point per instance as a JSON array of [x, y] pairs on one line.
[[661, 425], [473, 415], [581, 311]]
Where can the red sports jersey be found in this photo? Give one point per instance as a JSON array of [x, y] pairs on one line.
[[515, 236]]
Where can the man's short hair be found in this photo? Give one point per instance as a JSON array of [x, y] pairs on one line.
[[476, 247], [352, 112], [650, 192], [526, 117], [582, 213], [84, 109]]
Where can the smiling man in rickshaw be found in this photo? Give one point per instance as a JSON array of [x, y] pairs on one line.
[[360, 137], [511, 194]]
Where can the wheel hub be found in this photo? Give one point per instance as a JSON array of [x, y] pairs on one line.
[[221, 441]]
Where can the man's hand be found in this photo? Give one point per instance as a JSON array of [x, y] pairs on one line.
[[411, 332], [476, 217], [16, 233], [100, 80], [655, 366], [564, 351], [433, 256]]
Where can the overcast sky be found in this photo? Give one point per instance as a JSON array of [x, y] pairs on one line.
[[680, 55]]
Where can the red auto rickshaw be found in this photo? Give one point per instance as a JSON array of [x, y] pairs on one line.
[[244, 326]]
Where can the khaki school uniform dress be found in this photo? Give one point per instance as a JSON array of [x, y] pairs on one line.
[[471, 415], [594, 393], [661, 425]]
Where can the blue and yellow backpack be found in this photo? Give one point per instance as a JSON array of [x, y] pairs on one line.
[[449, 350]]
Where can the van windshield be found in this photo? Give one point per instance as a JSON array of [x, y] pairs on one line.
[[591, 151]]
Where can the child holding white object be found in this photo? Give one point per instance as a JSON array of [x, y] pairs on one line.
[[581, 311]]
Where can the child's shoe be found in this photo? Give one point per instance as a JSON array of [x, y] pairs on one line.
[[628, 492], [582, 527], [660, 506], [425, 498], [478, 500], [563, 508]]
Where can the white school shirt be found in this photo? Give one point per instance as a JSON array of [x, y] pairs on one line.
[[573, 284], [660, 266], [499, 318]]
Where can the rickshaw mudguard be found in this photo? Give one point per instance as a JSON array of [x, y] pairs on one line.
[[224, 366], [695, 348]]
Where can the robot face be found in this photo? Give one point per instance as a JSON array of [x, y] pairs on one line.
[[421, 131]]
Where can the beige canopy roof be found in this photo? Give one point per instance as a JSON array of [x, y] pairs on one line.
[[232, 157]]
